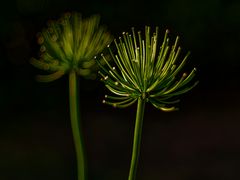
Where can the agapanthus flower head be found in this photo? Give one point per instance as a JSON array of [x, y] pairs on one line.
[[70, 43], [146, 69]]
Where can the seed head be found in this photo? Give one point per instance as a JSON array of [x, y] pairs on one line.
[[146, 69], [73, 42]]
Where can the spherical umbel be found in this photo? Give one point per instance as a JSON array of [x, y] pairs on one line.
[[70, 43], [146, 69]]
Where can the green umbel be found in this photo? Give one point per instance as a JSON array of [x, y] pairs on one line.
[[68, 46], [71, 43], [145, 71]]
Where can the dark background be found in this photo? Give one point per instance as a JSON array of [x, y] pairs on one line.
[[201, 141]]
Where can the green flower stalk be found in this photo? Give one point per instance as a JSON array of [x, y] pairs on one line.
[[145, 71], [68, 46]]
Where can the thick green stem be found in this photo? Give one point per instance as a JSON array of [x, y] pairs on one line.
[[76, 126], [137, 138]]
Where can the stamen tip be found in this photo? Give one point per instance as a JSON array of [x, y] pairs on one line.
[[184, 75]]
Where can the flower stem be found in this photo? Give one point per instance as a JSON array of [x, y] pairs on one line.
[[76, 127], [137, 138]]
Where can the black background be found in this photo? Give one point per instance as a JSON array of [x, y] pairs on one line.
[[201, 141]]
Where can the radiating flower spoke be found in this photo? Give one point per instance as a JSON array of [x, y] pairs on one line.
[[50, 77], [121, 104], [167, 100]]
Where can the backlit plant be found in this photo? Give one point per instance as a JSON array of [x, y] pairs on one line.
[[145, 71], [68, 46]]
